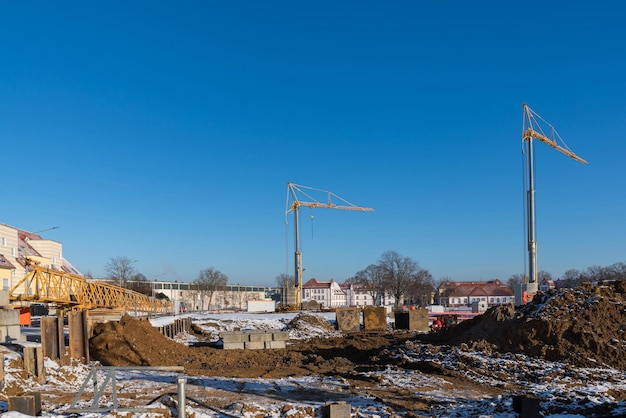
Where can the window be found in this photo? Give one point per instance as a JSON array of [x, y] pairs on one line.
[[4, 241], [5, 284]]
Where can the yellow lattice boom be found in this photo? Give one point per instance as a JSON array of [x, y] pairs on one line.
[[77, 292]]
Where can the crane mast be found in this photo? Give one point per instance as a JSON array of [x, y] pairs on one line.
[[531, 129], [293, 205]]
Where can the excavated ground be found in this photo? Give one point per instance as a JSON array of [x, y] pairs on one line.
[[583, 326]]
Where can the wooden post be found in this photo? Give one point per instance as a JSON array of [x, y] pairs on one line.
[[53, 337], [33, 363], [79, 342]]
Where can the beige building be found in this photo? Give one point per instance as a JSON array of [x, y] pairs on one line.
[[17, 245], [458, 294]]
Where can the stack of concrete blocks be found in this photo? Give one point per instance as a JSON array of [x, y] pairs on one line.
[[254, 339], [9, 320], [348, 319], [374, 318]]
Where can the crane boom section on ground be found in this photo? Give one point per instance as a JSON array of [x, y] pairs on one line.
[[76, 292], [531, 129], [293, 190]]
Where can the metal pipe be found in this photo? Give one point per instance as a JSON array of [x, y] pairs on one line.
[[298, 258], [182, 400], [532, 243]]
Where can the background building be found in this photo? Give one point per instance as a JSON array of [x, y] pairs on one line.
[[18, 248]]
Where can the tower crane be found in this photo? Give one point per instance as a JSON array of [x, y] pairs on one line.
[[293, 205], [531, 129]]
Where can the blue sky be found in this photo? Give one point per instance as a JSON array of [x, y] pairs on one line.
[[167, 133]]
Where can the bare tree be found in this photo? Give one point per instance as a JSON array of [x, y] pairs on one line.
[[514, 280], [285, 280], [399, 273], [209, 281], [140, 284], [120, 270], [571, 278], [372, 280], [422, 288], [543, 275], [618, 271]]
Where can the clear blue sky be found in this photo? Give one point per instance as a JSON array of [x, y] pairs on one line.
[[167, 133]]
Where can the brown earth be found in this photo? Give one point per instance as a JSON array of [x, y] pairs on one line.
[[583, 326]]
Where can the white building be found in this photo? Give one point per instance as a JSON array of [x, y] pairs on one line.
[[327, 294], [193, 297]]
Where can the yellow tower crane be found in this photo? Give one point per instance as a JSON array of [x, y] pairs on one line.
[[531, 129], [293, 205]]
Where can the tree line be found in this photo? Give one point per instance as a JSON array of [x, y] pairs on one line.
[[393, 275], [121, 272], [573, 277]]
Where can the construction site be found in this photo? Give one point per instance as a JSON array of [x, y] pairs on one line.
[[107, 351]]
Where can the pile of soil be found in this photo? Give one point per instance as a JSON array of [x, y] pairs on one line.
[[585, 326], [134, 342]]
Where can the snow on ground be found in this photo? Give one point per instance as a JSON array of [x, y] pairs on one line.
[[557, 385]]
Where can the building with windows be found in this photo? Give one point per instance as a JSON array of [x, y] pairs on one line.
[[463, 294], [195, 297], [327, 294], [546, 285], [17, 246]]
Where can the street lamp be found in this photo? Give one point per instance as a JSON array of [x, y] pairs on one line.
[[47, 229]]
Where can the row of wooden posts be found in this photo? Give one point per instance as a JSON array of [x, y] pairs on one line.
[[79, 326]]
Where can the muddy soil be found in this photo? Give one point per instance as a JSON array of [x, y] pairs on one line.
[[583, 326]]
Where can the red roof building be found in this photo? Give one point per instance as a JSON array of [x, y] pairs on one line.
[[455, 294]]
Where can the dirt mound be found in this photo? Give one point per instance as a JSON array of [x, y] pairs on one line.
[[306, 322], [584, 326], [133, 342]]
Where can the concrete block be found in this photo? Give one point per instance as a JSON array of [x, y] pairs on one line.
[[348, 319], [29, 404], [4, 298], [275, 344], [526, 406], [254, 345], [416, 320], [280, 336], [11, 333], [256, 336], [336, 410], [374, 318], [233, 337], [9, 317], [233, 346]]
